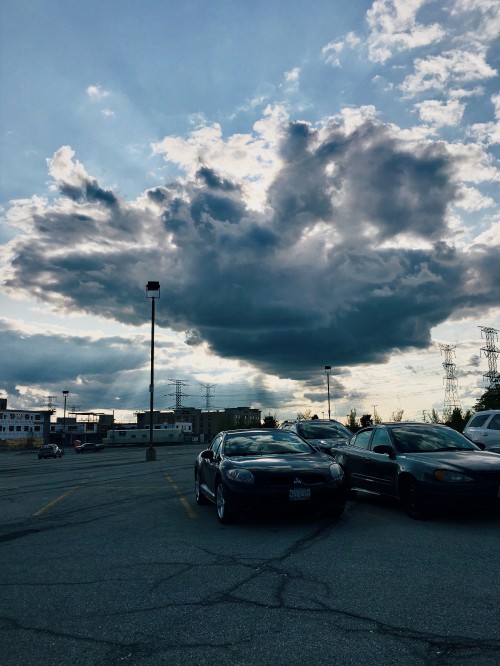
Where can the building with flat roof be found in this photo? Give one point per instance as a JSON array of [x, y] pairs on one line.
[[22, 428]]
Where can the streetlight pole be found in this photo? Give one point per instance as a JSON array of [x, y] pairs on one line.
[[152, 292], [65, 394], [327, 372]]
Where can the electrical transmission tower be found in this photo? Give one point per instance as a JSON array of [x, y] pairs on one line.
[[208, 396], [491, 352], [178, 383], [51, 405], [451, 399]]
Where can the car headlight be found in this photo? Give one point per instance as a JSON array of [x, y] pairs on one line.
[[449, 475], [240, 475], [336, 472]]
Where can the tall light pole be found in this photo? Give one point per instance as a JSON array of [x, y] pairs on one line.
[[152, 292], [327, 372], [65, 394]]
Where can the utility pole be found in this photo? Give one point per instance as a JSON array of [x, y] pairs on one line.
[[451, 399], [491, 352]]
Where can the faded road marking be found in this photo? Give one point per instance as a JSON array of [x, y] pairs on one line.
[[182, 499]]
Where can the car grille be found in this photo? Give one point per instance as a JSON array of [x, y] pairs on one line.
[[288, 479]]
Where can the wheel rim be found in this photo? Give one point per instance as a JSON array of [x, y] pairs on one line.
[[220, 501]]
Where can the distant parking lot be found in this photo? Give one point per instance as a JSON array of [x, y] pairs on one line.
[[107, 559]]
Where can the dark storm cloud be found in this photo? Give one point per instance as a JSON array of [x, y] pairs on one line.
[[89, 192], [56, 359], [327, 274]]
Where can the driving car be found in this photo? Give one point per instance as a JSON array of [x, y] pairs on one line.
[[89, 447], [424, 465], [49, 451], [484, 428], [321, 433], [251, 469]]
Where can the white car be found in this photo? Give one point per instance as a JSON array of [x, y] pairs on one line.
[[484, 428]]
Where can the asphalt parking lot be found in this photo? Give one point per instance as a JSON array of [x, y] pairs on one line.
[[107, 559]]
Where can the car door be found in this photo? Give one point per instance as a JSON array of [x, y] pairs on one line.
[[211, 464], [381, 468], [491, 434], [355, 458]]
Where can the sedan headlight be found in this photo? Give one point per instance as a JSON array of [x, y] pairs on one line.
[[240, 475], [336, 472], [449, 475]]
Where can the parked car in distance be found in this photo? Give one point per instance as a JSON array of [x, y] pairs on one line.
[[267, 468], [89, 447], [49, 451], [424, 465], [321, 433], [484, 428]]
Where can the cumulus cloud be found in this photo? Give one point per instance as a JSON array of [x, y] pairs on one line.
[[439, 113], [394, 27], [97, 92], [449, 68], [325, 268]]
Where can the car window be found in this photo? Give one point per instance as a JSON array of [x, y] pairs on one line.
[[362, 439], [215, 446], [478, 421], [419, 439], [323, 431], [494, 424], [381, 436], [270, 443]]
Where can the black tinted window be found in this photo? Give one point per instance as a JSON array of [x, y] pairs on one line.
[[362, 439], [494, 424], [478, 421]]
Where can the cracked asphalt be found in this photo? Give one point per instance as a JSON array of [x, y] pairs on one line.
[[106, 559]]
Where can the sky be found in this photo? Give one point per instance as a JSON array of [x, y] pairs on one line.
[[312, 184]]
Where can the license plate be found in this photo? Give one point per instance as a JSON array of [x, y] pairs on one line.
[[299, 494]]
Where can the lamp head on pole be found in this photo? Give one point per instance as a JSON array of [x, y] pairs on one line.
[[65, 393], [153, 290], [328, 368]]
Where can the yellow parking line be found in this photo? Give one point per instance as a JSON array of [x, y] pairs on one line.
[[58, 499], [182, 499]]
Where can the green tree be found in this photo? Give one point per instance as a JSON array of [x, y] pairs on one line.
[[432, 417], [270, 421], [352, 422], [458, 419], [397, 415], [490, 399]]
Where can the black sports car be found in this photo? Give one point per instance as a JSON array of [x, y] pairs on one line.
[[424, 465], [49, 451], [89, 447], [249, 469]]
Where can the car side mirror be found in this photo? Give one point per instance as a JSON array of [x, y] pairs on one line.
[[208, 454], [480, 445], [384, 448]]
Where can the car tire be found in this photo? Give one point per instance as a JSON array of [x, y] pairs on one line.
[[225, 509], [198, 494], [413, 500]]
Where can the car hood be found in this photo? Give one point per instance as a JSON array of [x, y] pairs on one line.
[[282, 463], [471, 460]]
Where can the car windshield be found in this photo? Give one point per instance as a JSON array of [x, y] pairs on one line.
[[323, 431], [277, 442], [414, 439]]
